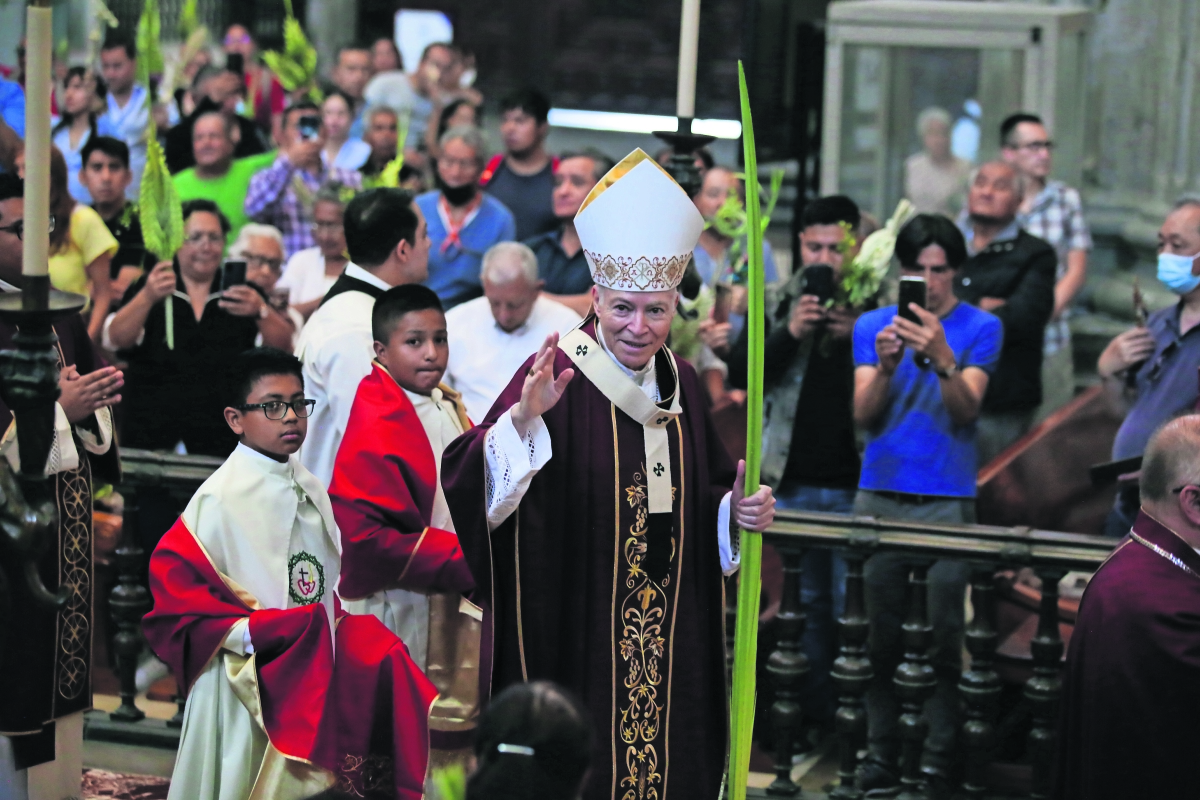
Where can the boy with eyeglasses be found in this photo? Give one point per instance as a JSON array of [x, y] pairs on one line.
[[401, 560], [247, 614]]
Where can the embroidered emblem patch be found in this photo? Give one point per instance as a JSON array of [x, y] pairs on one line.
[[581, 350], [306, 579]]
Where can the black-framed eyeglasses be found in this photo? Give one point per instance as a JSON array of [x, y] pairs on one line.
[[277, 409], [17, 229]]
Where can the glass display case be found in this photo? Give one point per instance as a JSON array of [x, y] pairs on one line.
[[915, 91]]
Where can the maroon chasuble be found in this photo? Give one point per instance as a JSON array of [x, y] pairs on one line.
[[1130, 722], [566, 596]]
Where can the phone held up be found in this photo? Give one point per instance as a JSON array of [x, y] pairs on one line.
[[309, 127], [912, 290], [817, 280], [233, 274]]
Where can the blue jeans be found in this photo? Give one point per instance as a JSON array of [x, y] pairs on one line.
[[822, 597]]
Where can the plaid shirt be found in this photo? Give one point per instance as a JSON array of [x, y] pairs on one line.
[[1057, 218], [282, 195]]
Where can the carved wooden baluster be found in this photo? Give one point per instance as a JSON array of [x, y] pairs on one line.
[[980, 684], [1045, 686], [915, 682], [852, 673], [129, 602], [787, 666]]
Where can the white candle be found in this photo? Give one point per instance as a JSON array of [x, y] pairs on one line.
[[689, 37], [40, 39]]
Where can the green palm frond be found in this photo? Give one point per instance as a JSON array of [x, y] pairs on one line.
[[296, 66], [149, 33]]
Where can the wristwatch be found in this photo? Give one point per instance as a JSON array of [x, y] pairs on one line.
[[947, 373]]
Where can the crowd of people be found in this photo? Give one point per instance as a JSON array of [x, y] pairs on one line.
[[375, 326]]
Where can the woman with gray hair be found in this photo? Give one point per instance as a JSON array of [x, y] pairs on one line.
[[463, 222], [261, 247], [311, 272], [935, 180]]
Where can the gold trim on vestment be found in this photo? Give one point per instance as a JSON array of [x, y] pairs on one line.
[[675, 609], [413, 555], [520, 624], [612, 647]]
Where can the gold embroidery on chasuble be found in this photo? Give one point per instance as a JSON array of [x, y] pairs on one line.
[[645, 619], [75, 621]]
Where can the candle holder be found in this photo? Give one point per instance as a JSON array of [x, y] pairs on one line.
[[684, 144], [29, 387]]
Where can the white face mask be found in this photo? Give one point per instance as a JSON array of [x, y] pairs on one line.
[[1175, 272]]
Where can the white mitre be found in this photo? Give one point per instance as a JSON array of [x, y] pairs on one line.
[[638, 228]]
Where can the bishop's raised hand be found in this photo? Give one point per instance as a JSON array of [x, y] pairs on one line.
[[541, 390]]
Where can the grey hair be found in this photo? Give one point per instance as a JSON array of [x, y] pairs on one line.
[[601, 163], [1172, 458], [331, 192], [374, 110], [933, 114], [251, 230], [469, 135], [505, 262], [1018, 178]]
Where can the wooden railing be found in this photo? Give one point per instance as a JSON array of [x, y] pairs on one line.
[[987, 549]]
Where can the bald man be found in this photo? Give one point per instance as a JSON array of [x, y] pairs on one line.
[[491, 336], [1131, 690]]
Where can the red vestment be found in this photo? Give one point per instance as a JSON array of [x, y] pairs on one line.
[[350, 715], [384, 482]]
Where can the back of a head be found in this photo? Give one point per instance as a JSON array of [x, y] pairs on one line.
[[534, 742], [393, 304], [831, 210], [924, 230], [251, 365], [532, 101], [1172, 458], [375, 222]]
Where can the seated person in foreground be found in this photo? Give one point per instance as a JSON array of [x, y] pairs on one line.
[[246, 613], [1131, 687]]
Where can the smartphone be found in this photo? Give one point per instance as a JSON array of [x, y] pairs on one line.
[[309, 127], [722, 303], [234, 274], [912, 290], [818, 280], [235, 62]]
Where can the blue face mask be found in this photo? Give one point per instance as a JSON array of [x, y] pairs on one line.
[[1175, 272]]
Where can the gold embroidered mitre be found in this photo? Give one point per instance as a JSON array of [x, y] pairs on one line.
[[638, 227]]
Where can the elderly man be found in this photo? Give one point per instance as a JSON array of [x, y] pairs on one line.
[[1161, 358], [1131, 689], [561, 263], [218, 176], [379, 131], [388, 246], [1052, 211], [492, 335], [1011, 274], [463, 221], [222, 91], [600, 453], [280, 195], [261, 247]]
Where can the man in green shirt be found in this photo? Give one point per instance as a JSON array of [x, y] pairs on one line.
[[218, 176]]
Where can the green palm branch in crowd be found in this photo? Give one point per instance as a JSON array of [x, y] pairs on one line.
[[296, 66], [149, 52], [731, 220], [863, 277]]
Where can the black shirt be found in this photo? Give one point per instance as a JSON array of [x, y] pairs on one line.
[[563, 274], [527, 197], [179, 152], [126, 228], [180, 395], [823, 450], [1020, 271]]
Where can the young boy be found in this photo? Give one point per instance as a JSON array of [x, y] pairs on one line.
[[245, 613], [400, 556], [106, 175]]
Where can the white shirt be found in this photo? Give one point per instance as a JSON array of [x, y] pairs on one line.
[[512, 462], [483, 358], [130, 122], [304, 276], [335, 349]]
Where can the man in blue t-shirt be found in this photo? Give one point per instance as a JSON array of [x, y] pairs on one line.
[[918, 389]]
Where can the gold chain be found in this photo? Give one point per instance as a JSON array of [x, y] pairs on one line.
[[1168, 556]]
